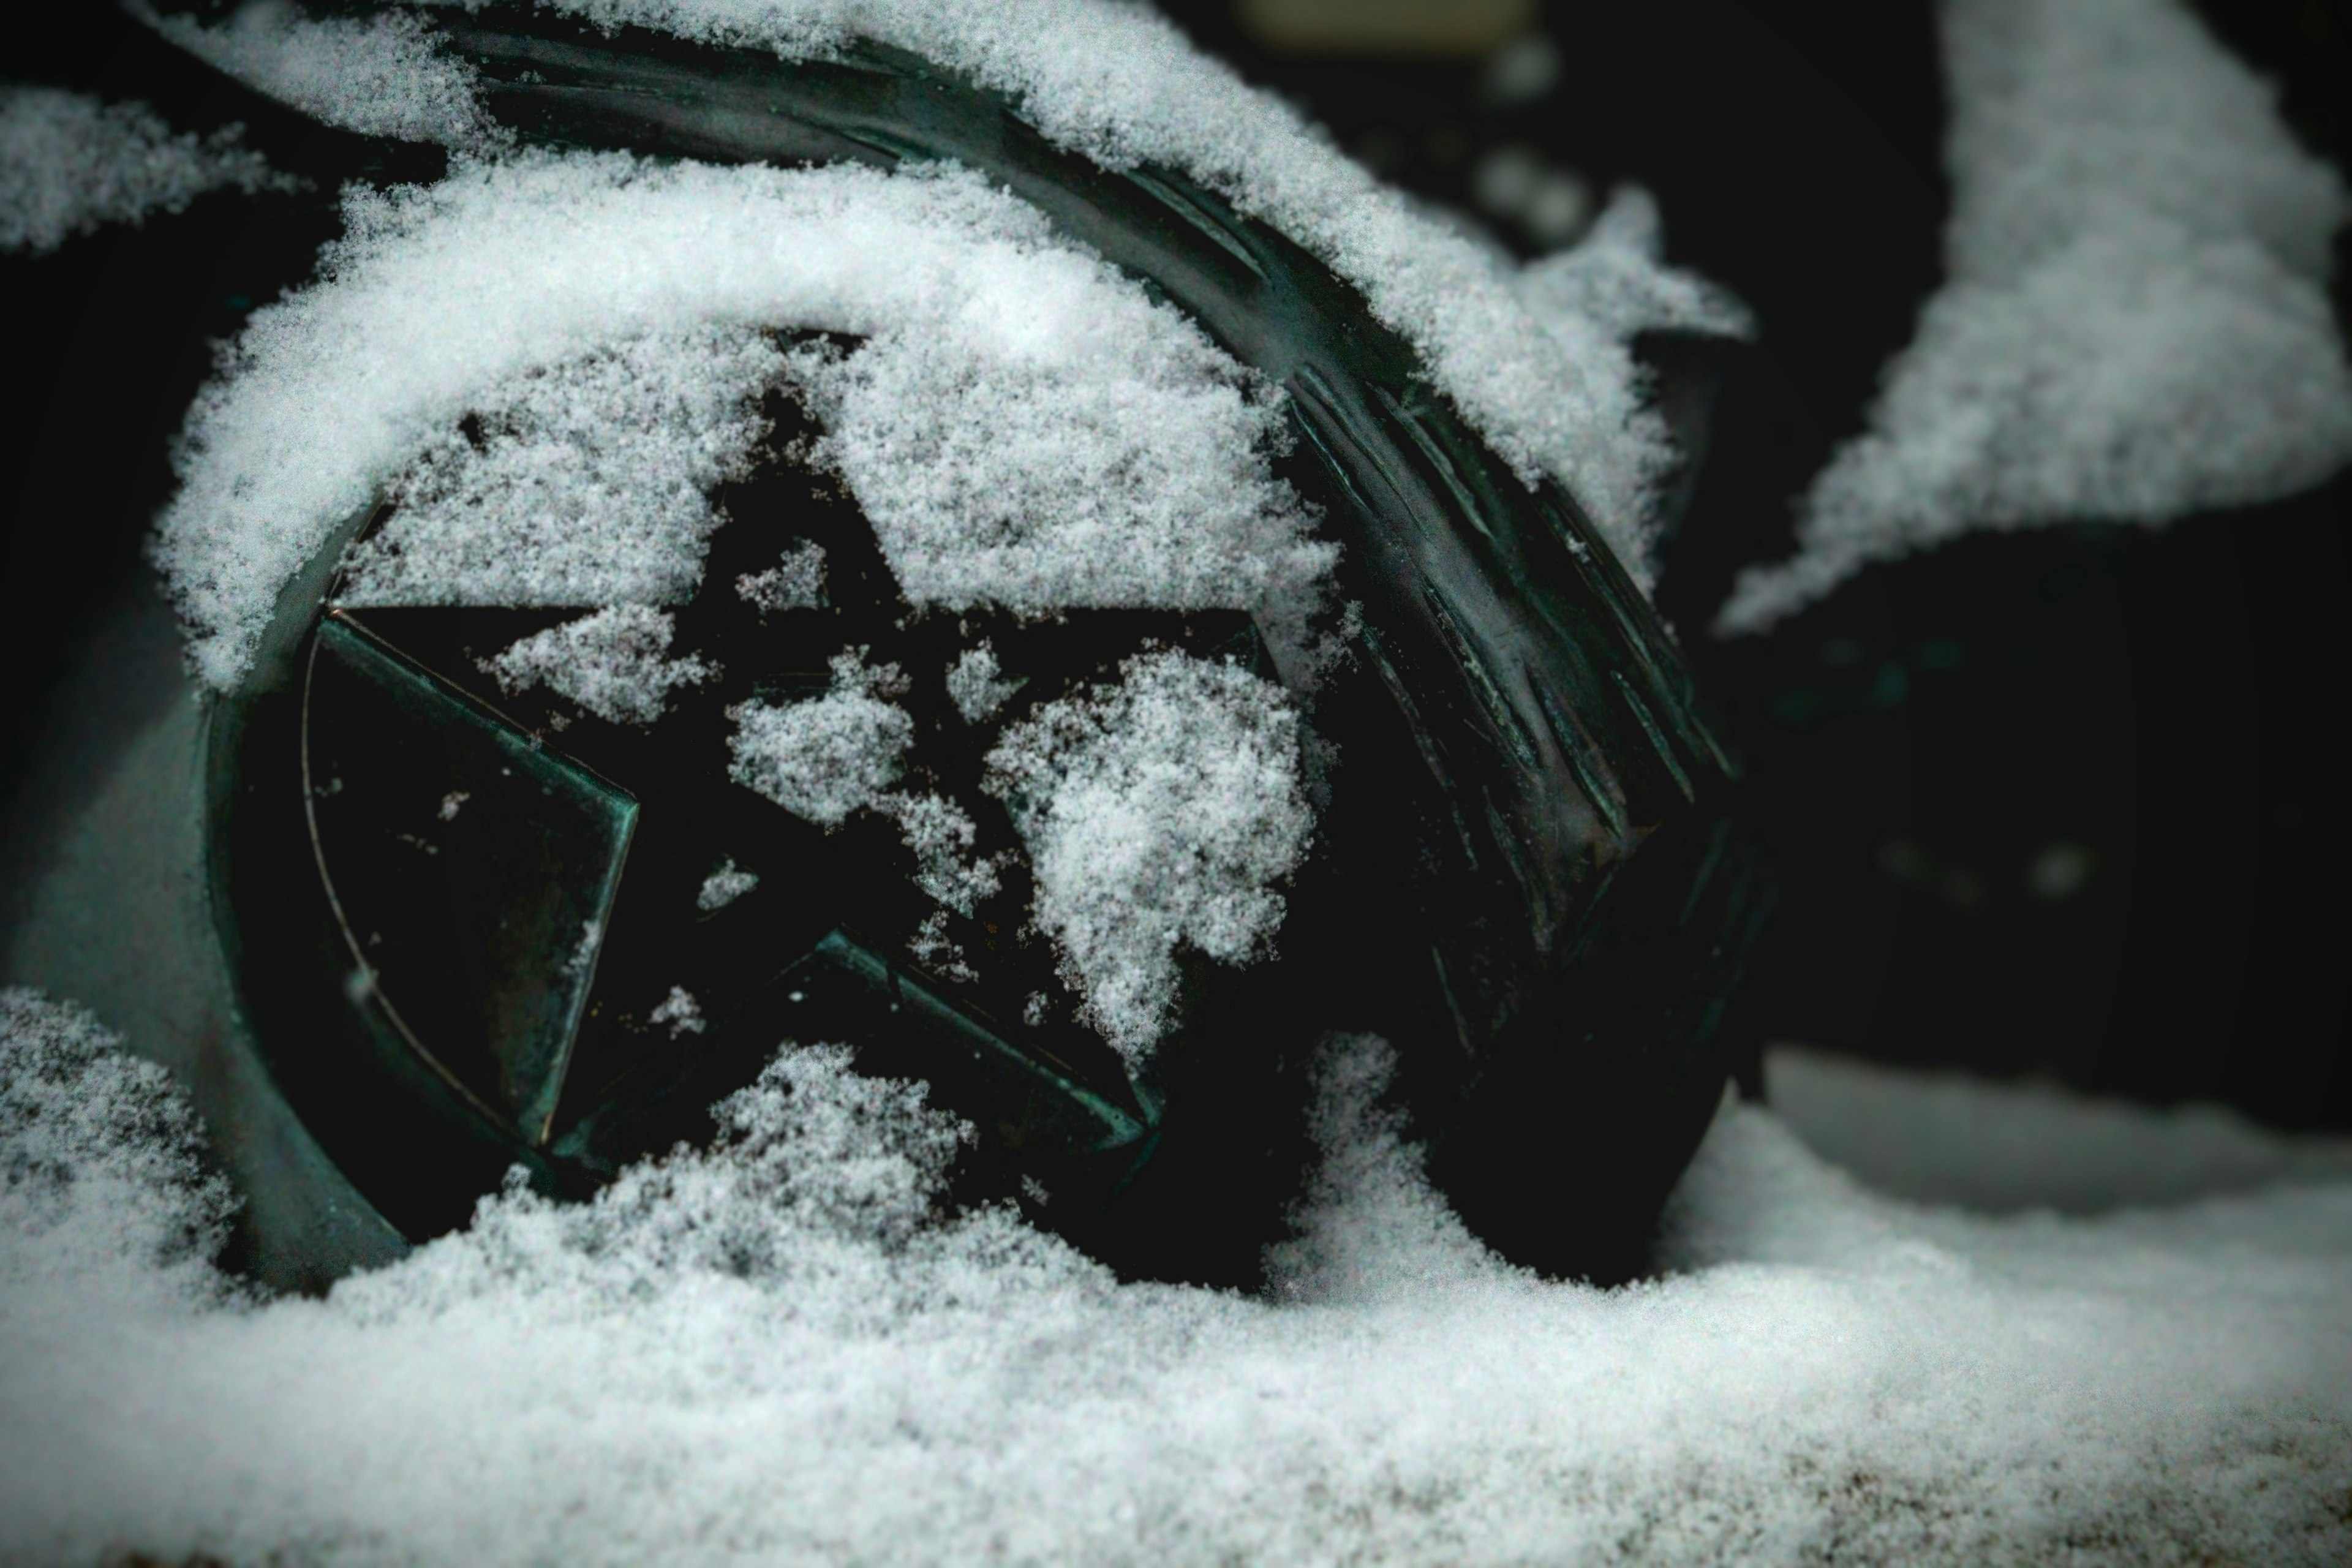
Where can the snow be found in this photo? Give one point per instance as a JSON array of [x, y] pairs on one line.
[[941, 832], [828, 756], [610, 663], [974, 685], [2135, 324], [1021, 422], [1159, 812], [795, 582], [380, 75], [726, 884], [579, 483], [780, 1349], [69, 164], [679, 1011], [1117, 83]]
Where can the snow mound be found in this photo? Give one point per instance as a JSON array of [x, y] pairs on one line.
[[2135, 324], [69, 164], [781, 1348], [1064, 440], [1158, 812], [610, 663]]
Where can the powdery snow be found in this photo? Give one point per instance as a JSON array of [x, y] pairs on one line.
[[2135, 324], [940, 834], [827, 756], [1159, 812], [726, 884], [69, 164], [578, 483], [1064, 440], [974, 685], [1117, 83], [384, 74], [610, 663], [779, 1350]]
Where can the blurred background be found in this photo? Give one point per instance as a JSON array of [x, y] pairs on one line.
[[2049, 803]]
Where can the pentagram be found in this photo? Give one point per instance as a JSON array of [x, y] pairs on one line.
[[519, 881]]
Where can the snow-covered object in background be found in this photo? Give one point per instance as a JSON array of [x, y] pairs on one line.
[[1157, 811], [567, 290], [1119, 84], [1947, 1138], [795, 582], [941, 834], [826, 757], [611, 663], [2135, 324], [380, 75], [583, 482], [69, 163], [783, 1348], [728, 883], [975, 687]]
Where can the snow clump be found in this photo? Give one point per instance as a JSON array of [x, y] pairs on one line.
[[1158, 812], [787, 1347], [941, 832], [795, 582], [603, 319], [726, 884], [974, 685], [69, 163], [2135, 324], [828, 756], [610, 663]]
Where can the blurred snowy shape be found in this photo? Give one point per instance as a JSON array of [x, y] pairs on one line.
[[785, 1347], [1021, 422], [69, 164], [384, 74], [1159, 812], [611, 663], [1519, 73], [2135, 324]]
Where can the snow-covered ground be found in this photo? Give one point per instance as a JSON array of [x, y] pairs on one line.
[[772, 1352]]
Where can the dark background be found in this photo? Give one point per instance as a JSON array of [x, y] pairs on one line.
[[2050, 802]]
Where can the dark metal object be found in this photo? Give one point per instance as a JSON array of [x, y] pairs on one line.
[[1527, 877]]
